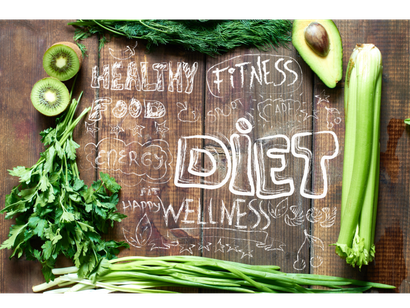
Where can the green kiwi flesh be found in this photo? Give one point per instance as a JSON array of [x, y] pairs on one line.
[[50, 96], [62, 61]]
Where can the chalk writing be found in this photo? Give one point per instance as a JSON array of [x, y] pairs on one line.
[[150, 162], [152, 109], [250, 160], [275, 109], [272, 147], [138, 79], [247, 71], [240, 214]]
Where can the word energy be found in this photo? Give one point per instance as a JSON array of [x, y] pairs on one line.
[[271, 150]]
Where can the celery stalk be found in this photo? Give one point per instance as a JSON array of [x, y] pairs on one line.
[[361, 160]]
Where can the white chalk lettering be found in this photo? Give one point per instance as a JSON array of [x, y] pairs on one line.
[[248, 71], [190, 172], [138, 78]]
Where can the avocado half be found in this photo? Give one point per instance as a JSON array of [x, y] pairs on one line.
[[328, 68]]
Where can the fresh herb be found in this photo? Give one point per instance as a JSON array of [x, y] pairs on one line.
[[361, 161], [407, 121], [136, 274], [211, 37], [56, 213]]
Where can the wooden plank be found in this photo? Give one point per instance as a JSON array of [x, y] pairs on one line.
[[392, 246], [22, 45], [258, 221], [139, 127]]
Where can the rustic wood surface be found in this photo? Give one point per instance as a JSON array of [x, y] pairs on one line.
[[148, 124]]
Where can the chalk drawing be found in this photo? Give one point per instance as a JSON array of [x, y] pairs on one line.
[[116, 130], [186, 114], [297, 218], [333, 117], [137, 130], [91, 129], [322, 97], [280, 209], [206, 246], [210, 162], [123, 54], [330, 217], [313, 242], [307, 114], [143, 232], [325, 217], [161, 128]]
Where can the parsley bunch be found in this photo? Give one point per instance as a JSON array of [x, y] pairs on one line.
[[56, 213]]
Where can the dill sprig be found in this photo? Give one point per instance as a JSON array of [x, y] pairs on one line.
[[211, 37]]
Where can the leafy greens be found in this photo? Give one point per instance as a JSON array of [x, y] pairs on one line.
[[211, 37], [56, 213]]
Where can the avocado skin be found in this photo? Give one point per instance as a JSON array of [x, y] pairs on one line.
[[330, 68]]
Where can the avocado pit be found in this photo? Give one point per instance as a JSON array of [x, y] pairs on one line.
[[317, 39]]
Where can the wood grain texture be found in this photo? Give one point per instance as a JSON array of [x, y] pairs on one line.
[[240, 107]]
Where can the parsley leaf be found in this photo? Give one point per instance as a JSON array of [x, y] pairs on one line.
[[55, 210], [110, 183]]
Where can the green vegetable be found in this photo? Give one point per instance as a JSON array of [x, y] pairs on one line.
[[210, 37], [56, 213], [361, 156], [146, 274]]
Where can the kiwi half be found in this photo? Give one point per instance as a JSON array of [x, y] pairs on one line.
[[62, 60], [50, 96]]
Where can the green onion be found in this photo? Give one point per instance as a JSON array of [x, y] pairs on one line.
[[361, 156], [150, 274]]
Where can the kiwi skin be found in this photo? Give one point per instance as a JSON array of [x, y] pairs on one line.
[[77, 51], [39, 101]]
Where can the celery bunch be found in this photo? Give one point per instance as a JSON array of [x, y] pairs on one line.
[[361, 156]]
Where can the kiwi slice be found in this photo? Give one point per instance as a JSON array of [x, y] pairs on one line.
[[50, 96], [62, 60]]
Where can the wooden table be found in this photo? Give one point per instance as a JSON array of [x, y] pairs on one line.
[[189, 141]]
